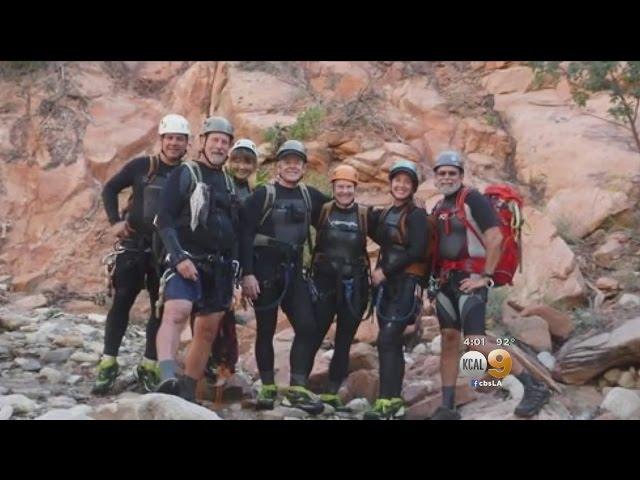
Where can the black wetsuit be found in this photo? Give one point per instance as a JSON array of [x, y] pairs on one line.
[[212, 245], [137, 267], [225, 347], [401, 300], [341, 277], [278, 266]]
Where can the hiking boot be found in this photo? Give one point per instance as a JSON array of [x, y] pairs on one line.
[[386, 409], [148, 375], [535, 397], [444, 413], [396, 410], [299, 397], [379, 411], [334, 400], [170, 386], [267, 397], [187, 389], [107, 372]]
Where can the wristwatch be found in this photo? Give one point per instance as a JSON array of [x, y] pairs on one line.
[[490, 277]]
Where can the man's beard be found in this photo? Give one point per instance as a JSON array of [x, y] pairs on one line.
[[449, 190], [217, 158]]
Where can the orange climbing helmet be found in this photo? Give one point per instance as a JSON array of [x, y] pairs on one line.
[[345, 172]]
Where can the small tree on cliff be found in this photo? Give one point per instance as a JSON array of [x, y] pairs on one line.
[[620, 79]]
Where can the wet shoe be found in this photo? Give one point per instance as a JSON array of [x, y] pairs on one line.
[[267, 397], [386, 409], [107, 372], [379, 411], [299, 397], [396, 410], [148, 375], [187, 389], [335, 401], [170, 386]]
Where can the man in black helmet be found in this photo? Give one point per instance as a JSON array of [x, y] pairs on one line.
[[276, 223]]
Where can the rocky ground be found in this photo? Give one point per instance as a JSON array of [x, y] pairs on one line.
[[48, 357]]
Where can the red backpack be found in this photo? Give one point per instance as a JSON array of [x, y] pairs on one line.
[[507, 203]]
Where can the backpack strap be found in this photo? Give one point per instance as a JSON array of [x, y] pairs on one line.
[[307, 201], [196, 173], [306, 196], [154, 163], [462, 214], [362, 220], [269, 200], [324, 213], [384, 213], [517, 222], [406, 210], [235, 202], [230, 184], [433, 248]]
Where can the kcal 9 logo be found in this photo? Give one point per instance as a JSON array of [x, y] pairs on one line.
[[474, 363]]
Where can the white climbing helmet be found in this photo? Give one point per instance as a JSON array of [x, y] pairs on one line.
[[247, 145], [173, 123]]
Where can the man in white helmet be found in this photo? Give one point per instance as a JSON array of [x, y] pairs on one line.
[[135, 265]]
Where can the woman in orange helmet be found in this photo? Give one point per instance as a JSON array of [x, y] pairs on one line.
[[340, 273]]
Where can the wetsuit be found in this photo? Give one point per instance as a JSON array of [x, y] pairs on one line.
[[402, 234], [273, 252], [341, 278], [137, 266], [456, 243]]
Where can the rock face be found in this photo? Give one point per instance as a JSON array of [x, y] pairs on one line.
[[560, 324], [580, 211], [532, 330], [61, 152], [550, 270], [580, 359], [516, 79], [547, 127]]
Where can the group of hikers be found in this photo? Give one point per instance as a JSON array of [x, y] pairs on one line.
[[195, 231]]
